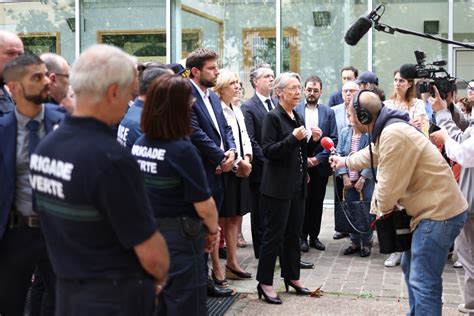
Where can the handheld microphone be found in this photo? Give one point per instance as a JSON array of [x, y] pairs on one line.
[[328, 144], [361, 26]]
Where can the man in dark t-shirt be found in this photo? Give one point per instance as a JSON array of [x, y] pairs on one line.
[[96, 219]]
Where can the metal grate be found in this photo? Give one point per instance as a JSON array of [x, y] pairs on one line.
[[217, 306]]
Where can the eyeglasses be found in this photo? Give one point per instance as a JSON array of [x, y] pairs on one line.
[[293, 88], [349, 90], [310, 90], [470, 88], [63, 75]]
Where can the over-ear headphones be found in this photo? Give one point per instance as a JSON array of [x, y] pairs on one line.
[[364, 116]]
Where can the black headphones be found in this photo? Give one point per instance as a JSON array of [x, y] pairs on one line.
[[363, 115]]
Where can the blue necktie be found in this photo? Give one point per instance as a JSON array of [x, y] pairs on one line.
[[33, 127]]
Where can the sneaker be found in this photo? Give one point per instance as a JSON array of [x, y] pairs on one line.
[[457, 265], [393, 260]]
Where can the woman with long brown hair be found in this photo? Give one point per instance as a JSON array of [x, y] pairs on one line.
[[178, 193]]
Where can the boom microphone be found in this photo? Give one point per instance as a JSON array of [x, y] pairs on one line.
[[361, 26], [328, 144]]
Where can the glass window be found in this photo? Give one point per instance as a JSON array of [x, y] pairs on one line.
[[313, 40], [463, 58], [390, 51], [242, 32], [138, 27], [43, 26]]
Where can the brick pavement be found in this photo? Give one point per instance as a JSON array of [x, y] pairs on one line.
[[363, 282]]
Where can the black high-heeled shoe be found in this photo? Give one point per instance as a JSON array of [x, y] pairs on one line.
[[268, 299], [299, 290], [219, 283]]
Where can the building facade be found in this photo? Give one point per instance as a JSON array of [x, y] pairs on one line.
[[305, 36]]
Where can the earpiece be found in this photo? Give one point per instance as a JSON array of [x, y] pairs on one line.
[[363, 115]]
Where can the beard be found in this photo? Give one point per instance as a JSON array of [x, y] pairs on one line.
[[312, 100], [207, 83], [36, 98]]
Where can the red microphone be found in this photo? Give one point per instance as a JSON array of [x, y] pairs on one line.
[[328, 144]]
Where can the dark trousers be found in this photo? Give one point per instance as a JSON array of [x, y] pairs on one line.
[[338, 190], [21, 250], [185, 292], [257, 218], [121, 297], [283, 221], [41, 300], [314, 204]]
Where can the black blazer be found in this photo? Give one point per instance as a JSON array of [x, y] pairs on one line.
[[281, 151], [254, 112]]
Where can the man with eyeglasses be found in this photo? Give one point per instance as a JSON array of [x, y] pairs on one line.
[[11, 47], [349, 89], [348, 73], [58, 74], [316, 115]]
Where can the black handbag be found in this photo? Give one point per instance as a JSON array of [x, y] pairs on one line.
[[352, 217], [393, 232]]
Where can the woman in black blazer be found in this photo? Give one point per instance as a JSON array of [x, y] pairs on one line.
[[283, 188]]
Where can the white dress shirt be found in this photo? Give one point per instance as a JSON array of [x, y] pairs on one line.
[[311, 115], [263, 100]]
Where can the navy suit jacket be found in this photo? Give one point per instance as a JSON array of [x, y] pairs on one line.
[[206, 137], [327, 123], [8, 134], [254, 112]]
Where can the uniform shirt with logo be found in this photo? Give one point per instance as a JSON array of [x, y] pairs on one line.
[[91, 201]]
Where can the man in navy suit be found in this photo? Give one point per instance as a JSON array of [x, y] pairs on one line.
[[254, 110], [22, 246], [11, 47], [211, 134], [316, 115]]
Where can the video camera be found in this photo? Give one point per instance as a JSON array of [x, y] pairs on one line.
[[445, 83]]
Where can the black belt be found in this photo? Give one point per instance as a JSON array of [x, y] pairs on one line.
[[112, 279], [192, 227], [17, 220]]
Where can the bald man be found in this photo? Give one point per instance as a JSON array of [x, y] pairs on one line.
[[58, 74], [413, 173], [11, 47]]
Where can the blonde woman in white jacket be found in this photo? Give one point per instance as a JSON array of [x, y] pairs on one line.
[[236, 194]]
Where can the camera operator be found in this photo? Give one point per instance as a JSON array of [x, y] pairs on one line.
[[459, 146], [411, 172]]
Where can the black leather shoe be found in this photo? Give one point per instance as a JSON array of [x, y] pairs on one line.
[[304, 245], [306, 265], [215, 291], [351, 250], [299, 290], [268, 299], [223, 253], [338, 235], [316, 243], [232, 274], [365, 252]]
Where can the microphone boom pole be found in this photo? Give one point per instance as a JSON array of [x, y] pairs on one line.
[[390, 30]]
